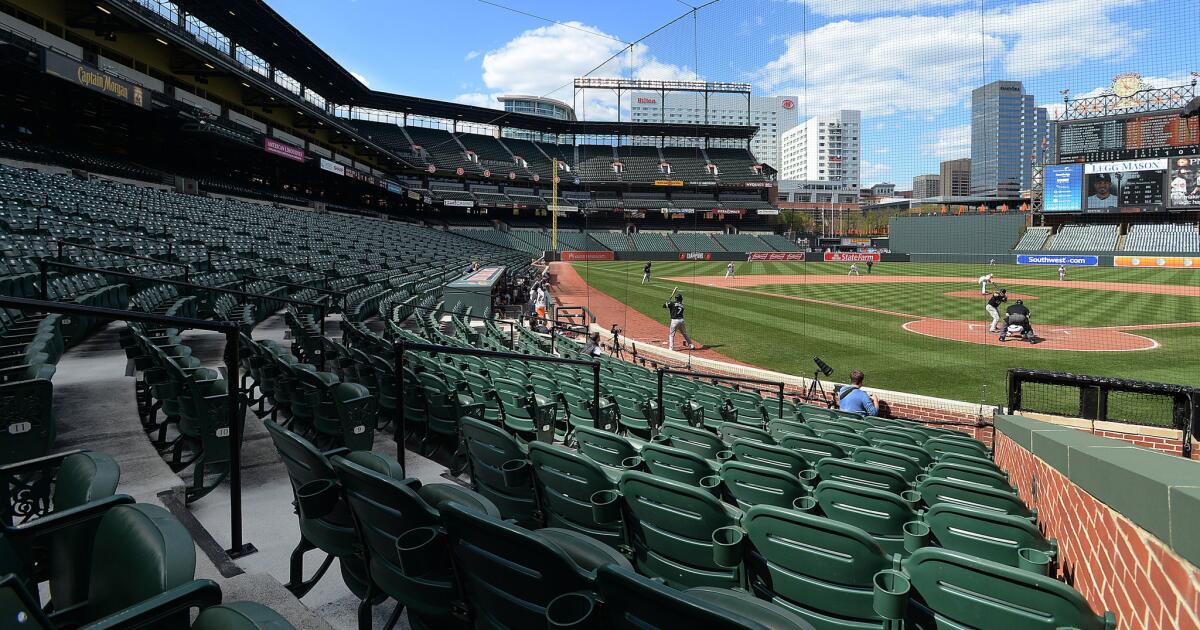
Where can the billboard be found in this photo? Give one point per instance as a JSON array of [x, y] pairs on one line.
[[283, 149], [1177, 262], [1146, 136], [1183, 182], [850, 257], [1063, 188], [577, 256], [1066, 261], [95, 79], [776, 256], [1124, 186]]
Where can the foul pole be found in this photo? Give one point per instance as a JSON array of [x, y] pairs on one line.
[[554, 205]]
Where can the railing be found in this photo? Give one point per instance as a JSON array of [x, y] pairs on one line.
[[1107, 399], [63, 244], [401, 347], [238, 547], [662, 372]]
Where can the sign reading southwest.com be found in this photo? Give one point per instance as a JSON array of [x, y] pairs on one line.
[[1072, 261]]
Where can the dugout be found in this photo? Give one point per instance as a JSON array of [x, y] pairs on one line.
[[476, 290]]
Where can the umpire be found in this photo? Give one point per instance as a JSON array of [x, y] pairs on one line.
[[677, 324]]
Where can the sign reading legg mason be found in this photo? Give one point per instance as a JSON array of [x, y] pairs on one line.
[[93, 78]]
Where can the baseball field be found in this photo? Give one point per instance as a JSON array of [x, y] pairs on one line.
[[914, 327]]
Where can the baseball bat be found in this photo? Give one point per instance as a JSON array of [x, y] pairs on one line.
[[674, 291]]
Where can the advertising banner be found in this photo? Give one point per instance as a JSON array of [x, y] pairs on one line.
[[695, 256], [765, 211], [776, 256], [668, 182], [850, 257], [1176, 262], [585, 256], [1068, 261], [1184, 182], [332, 167], [283, 149], [95, 79], [852, 241], [458, 203], [1063, 188]]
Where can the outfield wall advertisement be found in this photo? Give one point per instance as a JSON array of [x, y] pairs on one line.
[[1175, 262], [850, 257], [1066, 261], [585, 256], [775, 256]]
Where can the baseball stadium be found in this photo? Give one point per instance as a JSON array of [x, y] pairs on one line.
[[523, 314]]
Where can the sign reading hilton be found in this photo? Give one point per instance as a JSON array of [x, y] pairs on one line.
[[93, 78]]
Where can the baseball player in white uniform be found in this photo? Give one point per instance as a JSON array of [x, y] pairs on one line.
[[729, 270], [983, 282], [1062, 273], [853, 270]]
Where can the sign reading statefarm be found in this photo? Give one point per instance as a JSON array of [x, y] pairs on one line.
[[776, 256], [1069, 261], [850, 257]]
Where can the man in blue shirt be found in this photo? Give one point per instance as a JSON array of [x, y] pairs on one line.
[[852, 397]]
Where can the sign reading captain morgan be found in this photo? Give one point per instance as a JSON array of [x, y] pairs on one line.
[[95, 79]]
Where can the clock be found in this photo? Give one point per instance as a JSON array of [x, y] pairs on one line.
[[1126, 85]]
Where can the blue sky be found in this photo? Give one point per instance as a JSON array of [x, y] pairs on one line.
[[909, 65]]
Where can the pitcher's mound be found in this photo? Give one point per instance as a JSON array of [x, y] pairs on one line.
[[983, 296], [1051, 337]]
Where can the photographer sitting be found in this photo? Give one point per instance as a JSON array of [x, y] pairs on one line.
[[852, 397], [1017, 315], [592, 348]]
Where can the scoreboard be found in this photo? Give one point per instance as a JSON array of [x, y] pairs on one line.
[[1155, 135]]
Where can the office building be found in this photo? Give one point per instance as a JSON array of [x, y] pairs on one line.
[[1007, 129], [926, 186], [772, 114], [824, 148], [955, 178]]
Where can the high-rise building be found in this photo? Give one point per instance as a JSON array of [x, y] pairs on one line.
[[955, 178], [1007, 129], [824, 148], [772, 114], [926, 186]]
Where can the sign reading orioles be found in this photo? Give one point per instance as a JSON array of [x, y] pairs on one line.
[[93, 78]]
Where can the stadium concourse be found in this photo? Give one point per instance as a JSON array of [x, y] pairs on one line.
[[267, 360]]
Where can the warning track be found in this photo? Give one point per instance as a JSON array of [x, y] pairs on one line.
[[1052, 337]]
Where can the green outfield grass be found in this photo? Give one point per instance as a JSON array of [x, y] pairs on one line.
[[782, 334]]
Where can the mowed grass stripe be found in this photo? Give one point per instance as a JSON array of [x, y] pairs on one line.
[[779, 334]]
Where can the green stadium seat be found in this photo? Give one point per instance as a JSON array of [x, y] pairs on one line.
[[398, 525], [759, 454], [489, 451], [671, 527], [986, 534], [730, 431], [945, 588], [607, 449], [630, 601], [961, 446], [970, 474], [698, 441], [780, 429], [816, 567], [812, 449], [566, 482], [750, 484], [849, 440], [858, 473], [676, 464], [907, 467], [935, 490], [509, 575], [880, 513]]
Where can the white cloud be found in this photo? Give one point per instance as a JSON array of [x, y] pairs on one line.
[[861, 7], [478, 99], [545, 61], [929, 63], [361, 79], [873, 172], [471, 55], [949, 143]]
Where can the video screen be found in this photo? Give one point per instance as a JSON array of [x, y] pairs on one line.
[[1184, 183], [1129, 186], [1064, 188]]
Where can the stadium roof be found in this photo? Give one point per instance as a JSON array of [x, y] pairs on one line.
[[254, 23]]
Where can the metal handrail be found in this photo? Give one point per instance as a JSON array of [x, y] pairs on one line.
[[238, 547]]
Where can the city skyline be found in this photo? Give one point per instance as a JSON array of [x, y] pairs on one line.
[[913, 91]]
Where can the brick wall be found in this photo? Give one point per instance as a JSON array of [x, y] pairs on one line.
[[1171, 445], [1115, 564]]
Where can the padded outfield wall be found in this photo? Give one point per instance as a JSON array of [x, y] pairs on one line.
[[956, 238]]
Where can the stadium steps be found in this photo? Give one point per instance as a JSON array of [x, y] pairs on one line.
[[1121, 242]]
